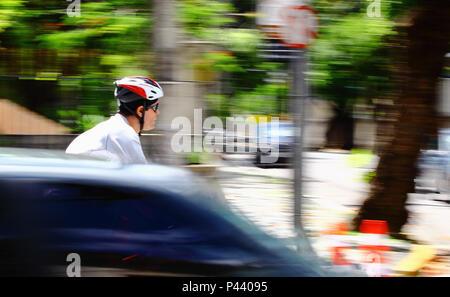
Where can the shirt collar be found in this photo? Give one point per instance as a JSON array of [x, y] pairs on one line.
[[125, 121]]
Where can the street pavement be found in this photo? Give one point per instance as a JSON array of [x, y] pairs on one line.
[[334, 189]]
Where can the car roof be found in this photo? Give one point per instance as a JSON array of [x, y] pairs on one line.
[[56, 165], [42, 157]]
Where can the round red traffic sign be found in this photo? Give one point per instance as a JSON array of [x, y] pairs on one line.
[[301, 26]]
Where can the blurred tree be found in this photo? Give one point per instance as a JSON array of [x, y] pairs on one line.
[[350, 62], [424, 39], [109, 39], [235, 55], [9, 11], [164, 40]]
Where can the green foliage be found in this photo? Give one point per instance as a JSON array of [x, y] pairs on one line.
[[110, 39], [101, 25], [80, 122], [360, 158], [264, 99], [446, 70], [350, 60], [9, 9], [368, 176], [235, 55], [198, 158], [200, 18], [331, 11], [223, 61]]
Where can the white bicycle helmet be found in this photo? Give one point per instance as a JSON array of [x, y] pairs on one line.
[[133, 88]]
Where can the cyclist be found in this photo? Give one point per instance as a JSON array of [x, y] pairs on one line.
[[118, 137]]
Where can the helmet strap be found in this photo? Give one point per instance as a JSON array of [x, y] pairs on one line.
[[141, 120]]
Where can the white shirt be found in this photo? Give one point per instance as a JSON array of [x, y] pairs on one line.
[[113, 139]]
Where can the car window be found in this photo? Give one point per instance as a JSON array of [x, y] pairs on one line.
[[75, 217], [66, 204], [77, 205], [112, 220], [273, 131]]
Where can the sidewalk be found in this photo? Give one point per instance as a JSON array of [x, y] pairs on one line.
[[333, 192], [403, 258]]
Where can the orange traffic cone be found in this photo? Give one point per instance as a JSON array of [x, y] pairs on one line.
[[337, 246], [373, 247]]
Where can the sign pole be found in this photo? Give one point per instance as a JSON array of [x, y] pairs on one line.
[[294, 24], [299, 97]]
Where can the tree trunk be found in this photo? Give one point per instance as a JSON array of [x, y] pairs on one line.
[[164, 39], [427, 40], [340, 132]]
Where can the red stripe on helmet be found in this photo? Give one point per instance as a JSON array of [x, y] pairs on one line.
[[138, 90]]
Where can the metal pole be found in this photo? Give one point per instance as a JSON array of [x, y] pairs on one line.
[[299, 97]]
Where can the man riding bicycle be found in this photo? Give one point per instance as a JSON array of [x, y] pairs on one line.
[[118, 137]]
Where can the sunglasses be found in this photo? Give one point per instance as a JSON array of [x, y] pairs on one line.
[[153, 107]]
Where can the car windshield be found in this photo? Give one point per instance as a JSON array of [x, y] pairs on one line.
[[271, 130], [444, 142]]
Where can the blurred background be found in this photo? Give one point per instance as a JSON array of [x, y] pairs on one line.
[[376, 122]]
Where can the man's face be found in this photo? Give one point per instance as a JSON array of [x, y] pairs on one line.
[[150, 118]]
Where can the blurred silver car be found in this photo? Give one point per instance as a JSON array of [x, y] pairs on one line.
[[434, 166]]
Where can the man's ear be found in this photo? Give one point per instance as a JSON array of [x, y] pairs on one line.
[[140, 110]]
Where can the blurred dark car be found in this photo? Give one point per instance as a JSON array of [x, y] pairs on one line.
[[275, 140], [127, 221], [434, 166]]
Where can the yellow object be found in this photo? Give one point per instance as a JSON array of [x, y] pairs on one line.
[[47, 76], [360, 158], [253, 119], [415, 260]]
